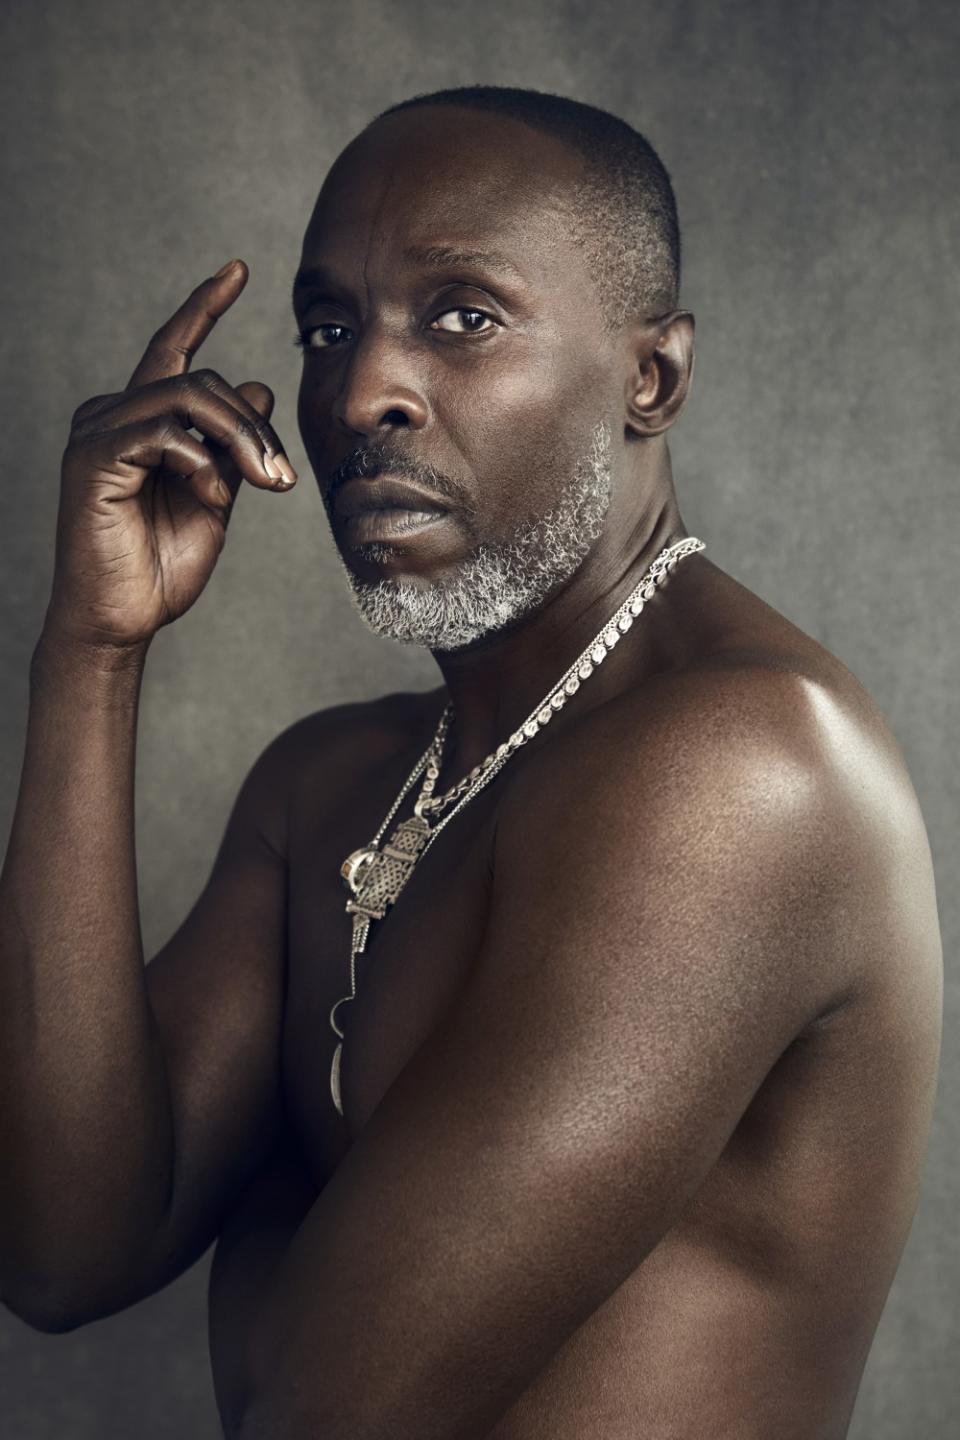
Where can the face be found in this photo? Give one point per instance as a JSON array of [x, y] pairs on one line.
[[458, 384]]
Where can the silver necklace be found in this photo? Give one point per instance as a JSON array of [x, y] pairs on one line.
[[376, 874]]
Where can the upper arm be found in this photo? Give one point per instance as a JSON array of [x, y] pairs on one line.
[[216, 992], [651, 950]]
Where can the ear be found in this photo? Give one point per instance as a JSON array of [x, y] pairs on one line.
[[661, 369]]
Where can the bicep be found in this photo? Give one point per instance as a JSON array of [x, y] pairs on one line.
[[216, 994]]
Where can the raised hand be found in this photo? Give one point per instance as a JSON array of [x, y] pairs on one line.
[[144, 504]]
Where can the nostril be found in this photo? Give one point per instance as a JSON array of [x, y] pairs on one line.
[[394, 417]]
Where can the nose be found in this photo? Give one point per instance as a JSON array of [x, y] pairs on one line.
[[379, 390]]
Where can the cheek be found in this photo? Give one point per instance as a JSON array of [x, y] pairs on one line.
[[524, 421], [314, 401], [307, 411]]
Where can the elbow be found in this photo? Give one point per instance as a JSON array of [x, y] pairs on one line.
[[45, 1311], [53, 1305]]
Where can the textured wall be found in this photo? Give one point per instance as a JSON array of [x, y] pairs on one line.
[[811, 148]]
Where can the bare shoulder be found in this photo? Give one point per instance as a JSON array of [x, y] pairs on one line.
[[743, 730], [387, 722], [756, 801], [328, 748]]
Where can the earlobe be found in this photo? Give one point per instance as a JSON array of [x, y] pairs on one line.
[[662, 368]]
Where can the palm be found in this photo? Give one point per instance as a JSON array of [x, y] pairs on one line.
[[182, 539]]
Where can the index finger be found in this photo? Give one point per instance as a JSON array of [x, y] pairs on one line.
[[177, 341]]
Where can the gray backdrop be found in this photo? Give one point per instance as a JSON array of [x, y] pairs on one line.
[[811, 147]]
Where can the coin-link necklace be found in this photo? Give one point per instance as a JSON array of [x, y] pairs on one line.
[[375, 875]]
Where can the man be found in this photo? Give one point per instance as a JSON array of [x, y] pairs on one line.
[[625, 1131]]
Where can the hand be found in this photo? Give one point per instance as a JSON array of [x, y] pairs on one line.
[[144, 504]]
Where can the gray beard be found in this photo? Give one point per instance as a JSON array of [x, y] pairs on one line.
[[497, 583]]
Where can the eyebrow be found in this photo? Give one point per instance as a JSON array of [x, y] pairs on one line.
[[310, 278], [448, 257], [434, 257]]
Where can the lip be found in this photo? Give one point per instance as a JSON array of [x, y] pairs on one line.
[[390, 525], [387, 496]]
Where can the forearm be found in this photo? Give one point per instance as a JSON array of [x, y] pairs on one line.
[[85, 1122]]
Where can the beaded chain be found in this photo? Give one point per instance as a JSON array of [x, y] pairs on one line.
[[567, 686], [375, 874]]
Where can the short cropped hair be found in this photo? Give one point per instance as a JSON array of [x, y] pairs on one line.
[[624, 213]]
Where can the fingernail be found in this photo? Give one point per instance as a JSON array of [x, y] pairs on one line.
[[225, 269], [271, 468], [286, 469]]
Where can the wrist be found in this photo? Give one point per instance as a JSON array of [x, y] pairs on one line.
[[60, 656]]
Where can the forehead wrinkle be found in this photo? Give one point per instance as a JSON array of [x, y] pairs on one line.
[[391, 180], [450, 256], [307, 274], [550, 201]]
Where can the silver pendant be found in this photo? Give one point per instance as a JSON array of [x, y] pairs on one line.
[[355, 867], [335, 1077], [375, 878], [378, 876]]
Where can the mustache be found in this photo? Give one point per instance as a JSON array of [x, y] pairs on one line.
[[370, 460]]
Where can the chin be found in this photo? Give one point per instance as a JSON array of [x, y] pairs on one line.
[[421, 560], [451, 611]]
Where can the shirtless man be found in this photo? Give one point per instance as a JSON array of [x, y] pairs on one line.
[[637, 1080]]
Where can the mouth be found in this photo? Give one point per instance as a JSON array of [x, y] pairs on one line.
[[381, 508], [387, 525]]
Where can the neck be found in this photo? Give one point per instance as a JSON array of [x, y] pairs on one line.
[[494, 684]]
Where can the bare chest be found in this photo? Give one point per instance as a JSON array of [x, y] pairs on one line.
[[414, 962]]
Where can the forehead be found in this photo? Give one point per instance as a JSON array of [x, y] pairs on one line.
[[446, 176]]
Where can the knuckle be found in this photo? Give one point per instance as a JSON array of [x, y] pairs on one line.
[[246, 430], [208, 378], [163, 430], [163, 343], [72, 454], [182, 387], [82, 451], [90, 409], [208, 469], [260, 438]]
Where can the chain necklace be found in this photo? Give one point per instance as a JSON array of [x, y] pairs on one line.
[[376, 875]]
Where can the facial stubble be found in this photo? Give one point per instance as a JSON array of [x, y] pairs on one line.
[[497, 584]]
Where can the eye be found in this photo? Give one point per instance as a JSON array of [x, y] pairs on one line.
[[321, 337], [469, 322]]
